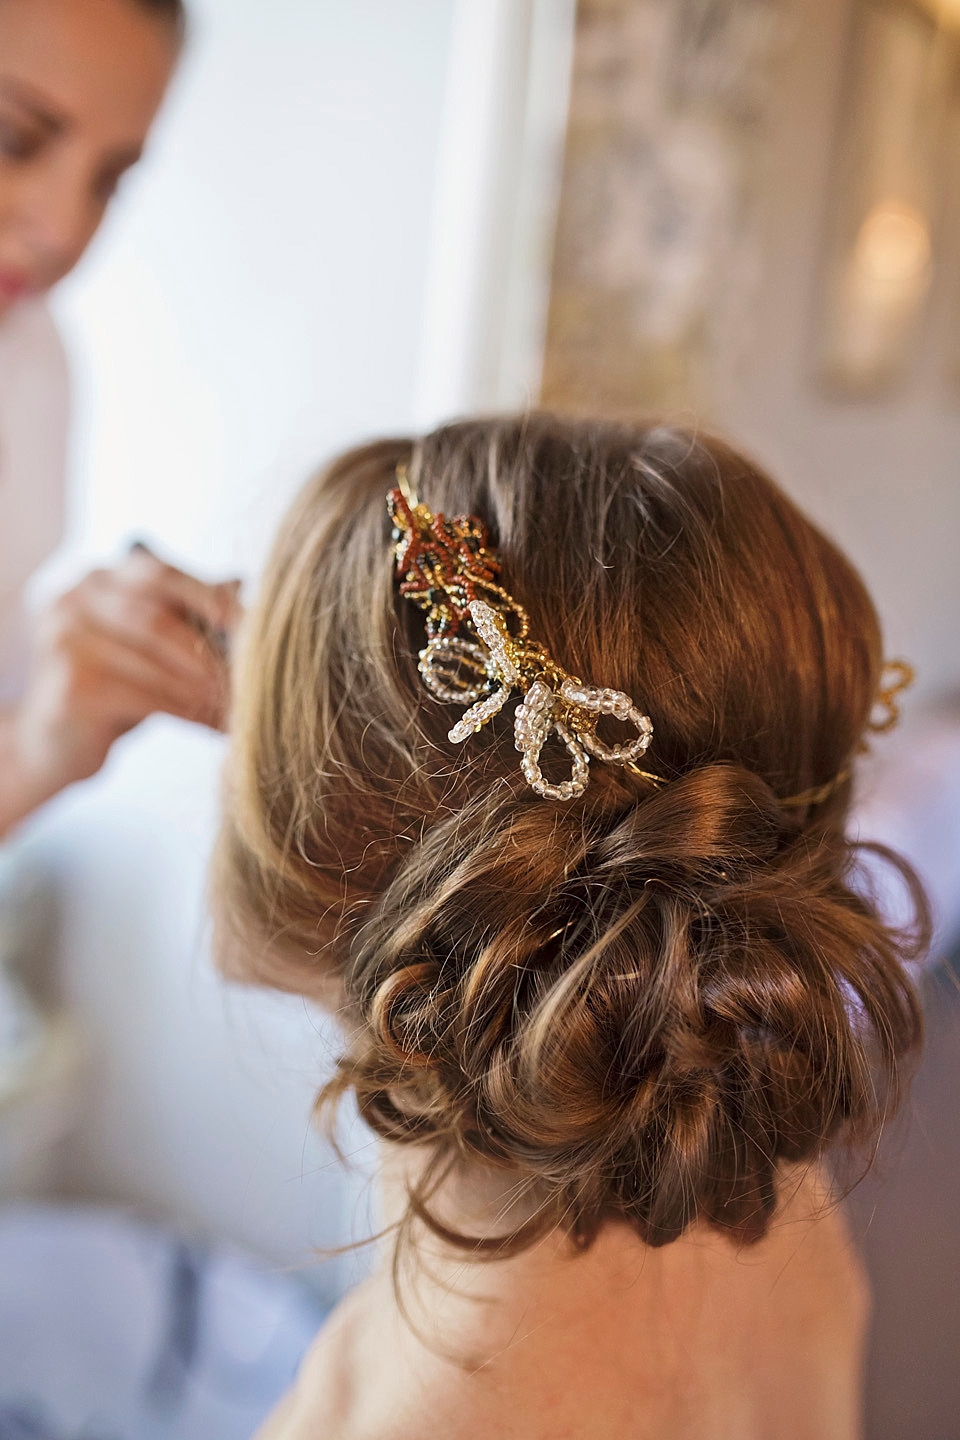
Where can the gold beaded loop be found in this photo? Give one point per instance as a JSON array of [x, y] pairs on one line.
[[896, 677]]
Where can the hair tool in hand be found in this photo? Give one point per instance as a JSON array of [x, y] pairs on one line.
[[217, 639]]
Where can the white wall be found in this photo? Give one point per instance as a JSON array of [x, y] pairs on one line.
[[255, 303]]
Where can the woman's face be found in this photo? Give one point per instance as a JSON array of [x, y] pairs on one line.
[[80, 83]]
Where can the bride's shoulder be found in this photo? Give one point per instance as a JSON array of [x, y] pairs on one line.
[[320, 1405], [342, 1389], [359, 1381]]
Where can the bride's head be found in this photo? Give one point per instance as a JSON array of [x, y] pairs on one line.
[[640, 1002]]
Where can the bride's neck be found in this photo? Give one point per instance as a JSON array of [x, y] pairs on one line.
[[551, 1288]]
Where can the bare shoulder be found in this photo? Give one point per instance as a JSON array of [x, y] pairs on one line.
[[320, 1405], [357, 1382]]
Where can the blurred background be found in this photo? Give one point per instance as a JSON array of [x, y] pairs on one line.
[[363, 219]]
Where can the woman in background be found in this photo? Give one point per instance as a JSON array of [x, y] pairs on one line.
[[80, 84], [609, 1002], [109, 1326]]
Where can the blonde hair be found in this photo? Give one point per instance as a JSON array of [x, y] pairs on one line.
[[642, 1002]]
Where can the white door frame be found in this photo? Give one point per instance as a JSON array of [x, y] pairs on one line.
[[498, 181]]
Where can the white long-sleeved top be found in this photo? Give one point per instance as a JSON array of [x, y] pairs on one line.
[[34, 404]]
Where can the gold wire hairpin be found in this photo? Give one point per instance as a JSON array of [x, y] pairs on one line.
[[479, 650], [896, 676], [818, 793]]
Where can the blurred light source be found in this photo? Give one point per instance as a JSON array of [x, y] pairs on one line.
[[893, 246], [886, 191], [879, 293], [945, 12]]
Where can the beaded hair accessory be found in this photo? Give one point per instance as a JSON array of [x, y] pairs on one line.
[[479, 650]]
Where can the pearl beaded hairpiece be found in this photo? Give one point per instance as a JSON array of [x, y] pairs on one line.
[[479, 650]]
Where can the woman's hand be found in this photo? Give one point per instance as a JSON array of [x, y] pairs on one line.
[[122, 645]]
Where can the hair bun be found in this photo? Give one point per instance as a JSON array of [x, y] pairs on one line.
[[642, 1003], [644, 1012], [714, 823]]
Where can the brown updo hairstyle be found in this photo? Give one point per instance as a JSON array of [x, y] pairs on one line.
[[643, 1003]]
